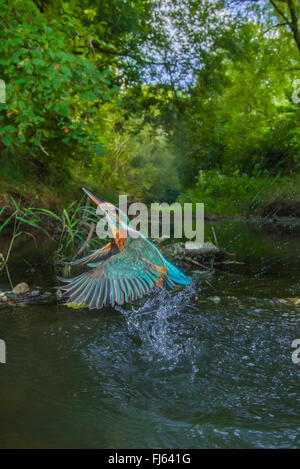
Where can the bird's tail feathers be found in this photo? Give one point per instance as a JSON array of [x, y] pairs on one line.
[[176, 275]]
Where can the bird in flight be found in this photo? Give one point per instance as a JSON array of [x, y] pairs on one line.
[[126, 268]]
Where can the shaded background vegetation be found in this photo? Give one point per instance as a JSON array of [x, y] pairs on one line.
[[162, 100]]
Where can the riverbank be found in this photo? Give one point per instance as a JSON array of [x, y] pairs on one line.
[[263, 199], [224, 197], [243, 195]]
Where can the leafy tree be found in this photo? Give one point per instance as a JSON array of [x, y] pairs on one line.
[[149, 97], [52, 94]]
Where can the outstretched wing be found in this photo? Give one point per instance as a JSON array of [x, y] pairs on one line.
[[121, 278], [99, 255]]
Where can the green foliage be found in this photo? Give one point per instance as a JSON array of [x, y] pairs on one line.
[[21, 219], [52, 94], [138, 97], [240, 194], [73, 226], [137, 158]]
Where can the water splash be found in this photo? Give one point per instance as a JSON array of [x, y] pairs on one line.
[[152, 323]]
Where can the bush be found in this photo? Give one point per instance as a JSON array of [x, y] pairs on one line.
[[237, 194], [51, 94]]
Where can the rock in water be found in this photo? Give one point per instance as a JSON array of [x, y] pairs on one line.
[[21, 288]]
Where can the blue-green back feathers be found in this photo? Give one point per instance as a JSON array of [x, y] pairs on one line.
[[126, 276]]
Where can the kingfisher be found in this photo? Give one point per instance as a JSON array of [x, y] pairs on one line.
[[126, 268]]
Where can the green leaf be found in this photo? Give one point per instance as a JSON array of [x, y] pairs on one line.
[[6, 140], [17, 205], [56, 83], [6, 222], [28, 222], [44, 211], [75, 306], [105, 80], [99, 151], [9, 128]]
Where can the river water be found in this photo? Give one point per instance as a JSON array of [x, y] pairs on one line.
[[208, 366]]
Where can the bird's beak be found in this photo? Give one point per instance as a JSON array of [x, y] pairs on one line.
[[118, 234], [94, 198], [103, 205]]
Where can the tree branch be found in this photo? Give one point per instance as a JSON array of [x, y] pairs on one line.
[[292, 22], [275, 26], [276, 7], [119, 53]]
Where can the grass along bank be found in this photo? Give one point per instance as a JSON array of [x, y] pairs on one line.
[[240, 194]]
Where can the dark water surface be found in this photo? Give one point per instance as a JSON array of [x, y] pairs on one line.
[[208, 366]]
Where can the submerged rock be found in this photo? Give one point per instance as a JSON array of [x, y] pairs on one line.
[[204, 249], [35, 293], [36, 296], [21, 288], [185, 254]]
